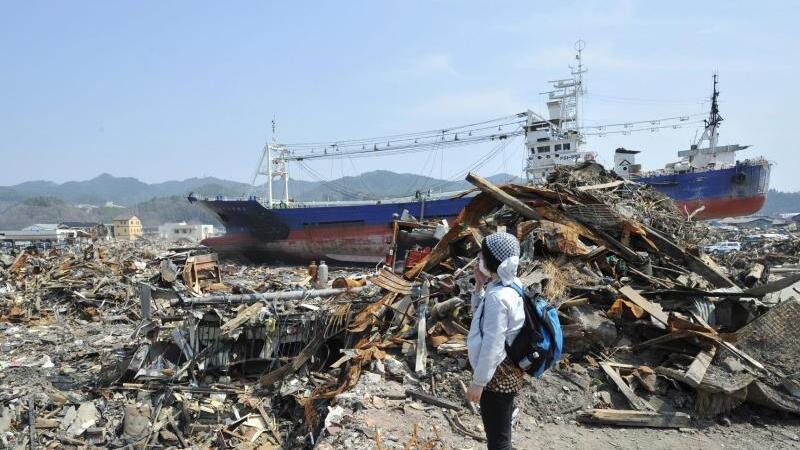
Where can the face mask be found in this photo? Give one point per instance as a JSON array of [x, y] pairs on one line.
[[482, 267]]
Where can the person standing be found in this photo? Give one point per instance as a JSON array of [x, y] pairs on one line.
[[497, 317]]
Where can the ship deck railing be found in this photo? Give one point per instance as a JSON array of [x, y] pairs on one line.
[[312, 204], [666, 171]]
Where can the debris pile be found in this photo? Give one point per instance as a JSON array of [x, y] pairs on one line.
[[143, 346]]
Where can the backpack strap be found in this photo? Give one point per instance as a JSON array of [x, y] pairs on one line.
[[517, 289]]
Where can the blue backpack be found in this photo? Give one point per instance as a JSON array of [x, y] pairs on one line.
[[539, 343]]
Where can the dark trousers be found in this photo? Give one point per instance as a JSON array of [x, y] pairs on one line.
[[496, 410]]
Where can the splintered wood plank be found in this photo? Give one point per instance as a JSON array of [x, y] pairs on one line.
[[502, 197], [697, 369], [243, 316], [653, 309], [634, 400], [632, 418]]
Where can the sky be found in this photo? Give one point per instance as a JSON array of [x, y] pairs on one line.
[[173, 90]]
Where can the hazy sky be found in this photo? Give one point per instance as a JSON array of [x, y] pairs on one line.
[[171, 90]]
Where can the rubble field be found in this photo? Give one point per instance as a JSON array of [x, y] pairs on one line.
[[138, 345]]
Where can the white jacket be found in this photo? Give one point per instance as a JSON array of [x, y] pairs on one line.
[[503, 317]]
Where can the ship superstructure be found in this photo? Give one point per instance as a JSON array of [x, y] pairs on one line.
[[557, 140]]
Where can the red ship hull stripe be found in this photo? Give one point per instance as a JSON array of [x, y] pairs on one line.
[[718, 208]]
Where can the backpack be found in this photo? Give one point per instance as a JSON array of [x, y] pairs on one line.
[[539, 343]]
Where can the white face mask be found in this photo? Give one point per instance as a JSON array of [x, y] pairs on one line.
[[482, 267]]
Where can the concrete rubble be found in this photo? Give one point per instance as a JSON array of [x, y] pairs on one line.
[[138, 345]]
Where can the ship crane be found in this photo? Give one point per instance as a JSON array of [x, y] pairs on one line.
[[550, 141]]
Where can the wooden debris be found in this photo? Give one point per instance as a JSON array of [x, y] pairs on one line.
[[653, 309], [432, 400], [502, 197], [243, 316], [635, 401], [697, 369], [631, 418]]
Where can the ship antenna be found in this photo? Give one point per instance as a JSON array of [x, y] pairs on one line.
[[714, 117], [578, 72]]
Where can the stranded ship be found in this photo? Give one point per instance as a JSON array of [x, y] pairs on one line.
[[707, 182]]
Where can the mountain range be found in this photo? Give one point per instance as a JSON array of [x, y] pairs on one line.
[[155, 203]]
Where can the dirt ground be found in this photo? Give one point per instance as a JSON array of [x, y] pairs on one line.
[[370, 407]]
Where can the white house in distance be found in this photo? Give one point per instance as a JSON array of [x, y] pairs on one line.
[[50, 232], [185, 232]]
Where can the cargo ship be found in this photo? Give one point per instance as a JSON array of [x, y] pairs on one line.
[[706, 183]]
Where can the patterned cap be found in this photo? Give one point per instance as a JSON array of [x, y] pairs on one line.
[[502, 245]]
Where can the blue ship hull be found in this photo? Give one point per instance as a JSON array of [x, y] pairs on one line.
[[730, 192], [347, 233]]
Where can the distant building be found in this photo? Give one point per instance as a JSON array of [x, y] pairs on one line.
[[749, 222], [127, 227], [85, 226], [40, 232], [93, 230], [151, 232], [43, 227], [183, 231]]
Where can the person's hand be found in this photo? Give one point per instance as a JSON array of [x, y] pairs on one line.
[[474, 393]]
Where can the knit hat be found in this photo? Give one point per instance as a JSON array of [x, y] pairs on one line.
[[504, 248], [502, 245]]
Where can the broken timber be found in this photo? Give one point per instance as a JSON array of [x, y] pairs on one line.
[[693, 263], [635, 418], [502, 197], [653, 309], [635, 401], [697, 369], [432, 400]]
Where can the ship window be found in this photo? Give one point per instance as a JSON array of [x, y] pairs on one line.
[[548, 156], [566, 146], [558, 147], [543, 149]]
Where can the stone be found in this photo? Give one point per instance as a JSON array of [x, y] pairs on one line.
[[732, 364], [136, 422], [394, 368], [378, 367], [86, 417]]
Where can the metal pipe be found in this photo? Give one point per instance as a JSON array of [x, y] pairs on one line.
[[266, 296]]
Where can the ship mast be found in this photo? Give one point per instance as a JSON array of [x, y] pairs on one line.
[[276, 167], [714, 119]]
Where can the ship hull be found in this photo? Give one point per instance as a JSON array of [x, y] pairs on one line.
[[734, 191], [353, 234], [362, 233]]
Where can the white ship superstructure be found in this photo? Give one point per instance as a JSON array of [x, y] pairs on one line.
[[557, 140]]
